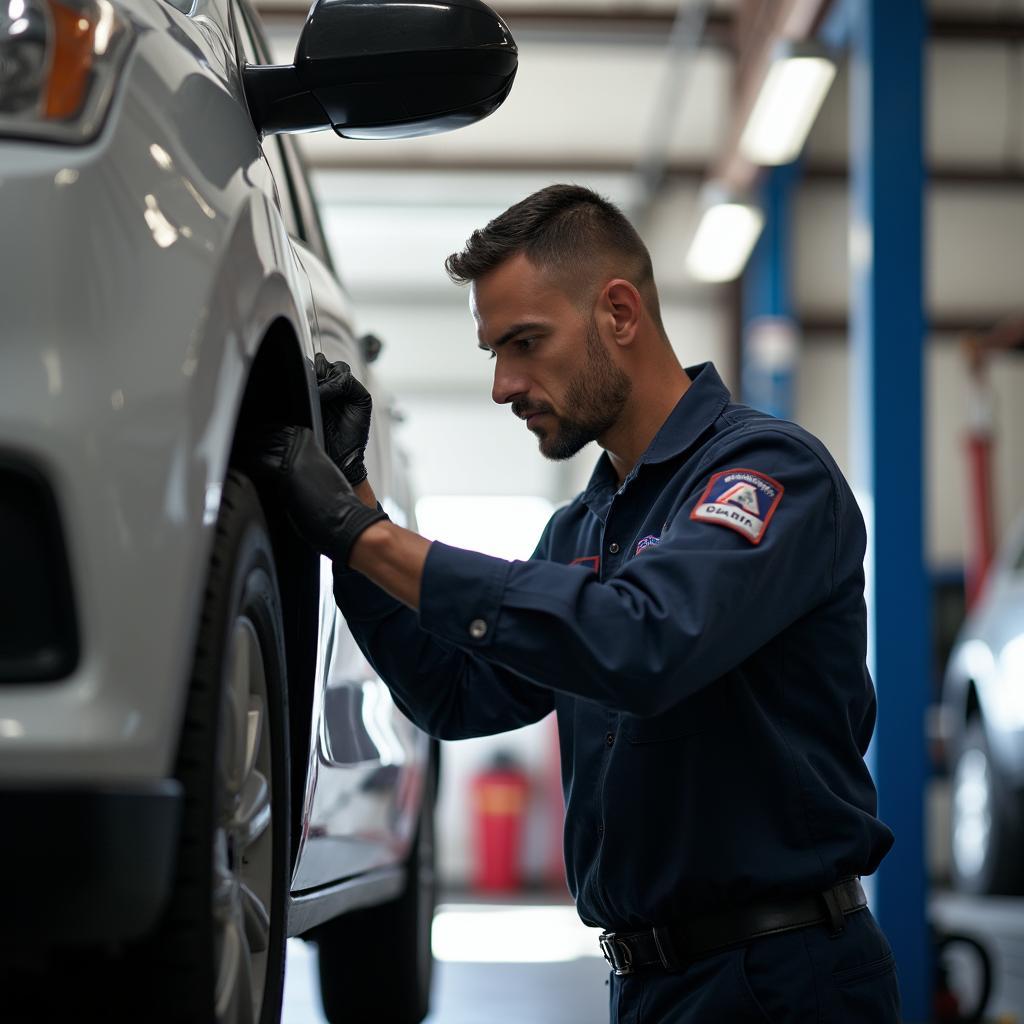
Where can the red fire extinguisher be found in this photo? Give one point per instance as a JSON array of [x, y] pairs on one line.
[[499, 808]]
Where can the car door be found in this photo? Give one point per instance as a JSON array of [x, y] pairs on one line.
[[366, 763]]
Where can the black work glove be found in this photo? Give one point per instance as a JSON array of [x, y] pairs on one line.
[[318, 499], [345, 406]]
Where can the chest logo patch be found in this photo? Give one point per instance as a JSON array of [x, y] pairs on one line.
[[592, 562], [647, 542], [741, 499]]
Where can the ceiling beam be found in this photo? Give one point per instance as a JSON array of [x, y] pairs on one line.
[[679, 171], [976, 30], [940, 323], [611, 25], [628, 25], [499, 165], [759, 27]]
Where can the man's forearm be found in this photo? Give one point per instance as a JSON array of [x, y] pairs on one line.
[[393, 558], [390, 556], [364, 492]]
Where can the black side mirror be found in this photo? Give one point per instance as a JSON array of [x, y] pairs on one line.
[[387, 69]]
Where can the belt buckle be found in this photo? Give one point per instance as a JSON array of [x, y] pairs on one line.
[[621, 963]]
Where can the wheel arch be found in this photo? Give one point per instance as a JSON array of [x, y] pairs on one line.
[[278, 391]]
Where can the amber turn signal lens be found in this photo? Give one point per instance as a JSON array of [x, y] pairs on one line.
[[72, 61]]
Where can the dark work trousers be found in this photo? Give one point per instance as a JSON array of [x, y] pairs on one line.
[[799, 977]]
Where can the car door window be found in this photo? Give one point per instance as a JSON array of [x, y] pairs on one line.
[[309, 213], [253, 53]]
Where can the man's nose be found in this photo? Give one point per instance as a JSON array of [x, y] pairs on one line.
[[508, 385]]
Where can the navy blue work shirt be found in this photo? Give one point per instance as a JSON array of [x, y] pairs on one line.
[[700, 631]]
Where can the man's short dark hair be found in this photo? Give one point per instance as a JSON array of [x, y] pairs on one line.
[[568, 230]]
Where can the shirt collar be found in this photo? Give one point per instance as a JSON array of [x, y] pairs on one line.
[[698, 408]]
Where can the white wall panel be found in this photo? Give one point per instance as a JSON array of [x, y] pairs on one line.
[[973, 107], [820, 249], [575, 103], [972, 104], [974, 249], [823, 407]]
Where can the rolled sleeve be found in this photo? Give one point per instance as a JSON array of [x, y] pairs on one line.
[[360, 599], [462, 595]]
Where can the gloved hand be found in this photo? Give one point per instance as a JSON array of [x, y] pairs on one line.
[[317, 497], [345, 406]]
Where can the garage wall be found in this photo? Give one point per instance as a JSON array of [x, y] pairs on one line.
[[822, 406], [391, 229], [974, 249]]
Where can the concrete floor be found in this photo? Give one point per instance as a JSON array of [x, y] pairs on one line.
[[496, 965], [997, 922], [484, 974]]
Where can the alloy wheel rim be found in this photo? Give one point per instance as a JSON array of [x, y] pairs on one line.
[[243, 836], [972, 811]]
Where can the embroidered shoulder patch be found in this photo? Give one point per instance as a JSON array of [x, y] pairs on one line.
[[742, 499]]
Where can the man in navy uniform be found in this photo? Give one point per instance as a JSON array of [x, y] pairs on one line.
[[695, 618]]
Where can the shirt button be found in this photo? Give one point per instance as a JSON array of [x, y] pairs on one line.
[[610, 738], [613, 548], [478, 629]]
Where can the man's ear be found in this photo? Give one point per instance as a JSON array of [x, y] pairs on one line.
[[624, 305]]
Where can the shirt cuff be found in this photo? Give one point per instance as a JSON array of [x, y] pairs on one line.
[[462, 594], [360, 599]]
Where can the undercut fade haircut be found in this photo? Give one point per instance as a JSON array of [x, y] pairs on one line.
[[569, 231]]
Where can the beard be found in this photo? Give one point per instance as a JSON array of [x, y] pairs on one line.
[[595, 398]]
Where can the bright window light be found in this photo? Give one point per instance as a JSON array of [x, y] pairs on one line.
[[724, 238], [791, 96], [502, 934], [504, 526]]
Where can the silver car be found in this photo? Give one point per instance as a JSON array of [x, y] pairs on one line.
[[983, 713], [196, 761]]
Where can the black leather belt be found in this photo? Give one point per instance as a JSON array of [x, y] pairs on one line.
[[671, 947]]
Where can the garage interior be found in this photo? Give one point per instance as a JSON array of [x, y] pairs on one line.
[[893, 238]]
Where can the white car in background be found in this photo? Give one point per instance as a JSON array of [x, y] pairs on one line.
[[983, 715], [195, 759]]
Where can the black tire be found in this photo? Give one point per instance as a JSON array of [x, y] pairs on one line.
[[376, 963], [177, 967], [987, 851]]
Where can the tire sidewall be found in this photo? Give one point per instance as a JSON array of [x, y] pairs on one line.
[[996, 873], [178, 960], [260, 602]]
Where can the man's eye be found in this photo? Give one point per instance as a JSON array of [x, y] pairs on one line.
[[525, 344]]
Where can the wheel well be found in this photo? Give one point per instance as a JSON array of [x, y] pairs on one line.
[[277, 391]]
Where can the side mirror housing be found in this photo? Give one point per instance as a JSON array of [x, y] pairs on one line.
[[387, 69]]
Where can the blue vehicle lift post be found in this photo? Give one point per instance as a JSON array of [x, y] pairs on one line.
[[887, 332]]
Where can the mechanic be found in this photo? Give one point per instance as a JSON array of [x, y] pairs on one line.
[[695, 617]]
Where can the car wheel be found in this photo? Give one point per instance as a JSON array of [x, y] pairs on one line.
[[376, 963], [218, 956], [986, 847]]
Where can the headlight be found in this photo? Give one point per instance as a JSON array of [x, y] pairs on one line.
[[59, 61]]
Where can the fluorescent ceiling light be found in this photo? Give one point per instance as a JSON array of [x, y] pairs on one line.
[[789, 100], [725, 236]]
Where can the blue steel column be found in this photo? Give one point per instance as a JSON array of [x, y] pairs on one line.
[[886, 355], [768, 372]]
